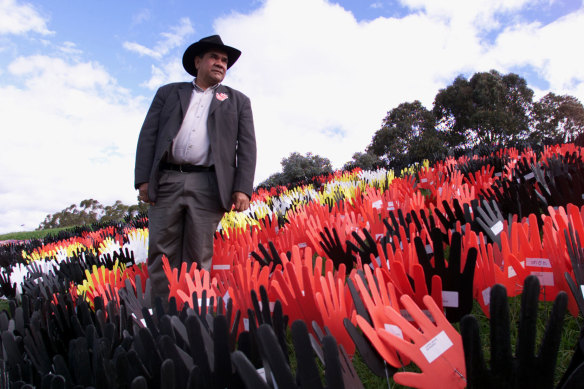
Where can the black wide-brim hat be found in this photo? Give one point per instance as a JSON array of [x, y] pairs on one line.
[[204, 45]]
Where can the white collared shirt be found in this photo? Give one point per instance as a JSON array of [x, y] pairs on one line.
[[191, 144]]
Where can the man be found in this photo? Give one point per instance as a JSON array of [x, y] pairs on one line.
[[195, 159]]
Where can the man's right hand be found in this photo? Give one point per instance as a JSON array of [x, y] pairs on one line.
[[143, 193]]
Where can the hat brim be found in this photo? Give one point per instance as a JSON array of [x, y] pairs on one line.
[[199, 48]]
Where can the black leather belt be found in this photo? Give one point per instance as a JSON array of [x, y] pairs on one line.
[[186, 168]]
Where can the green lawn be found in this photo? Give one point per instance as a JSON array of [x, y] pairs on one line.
[[570, 336], [25, 235]]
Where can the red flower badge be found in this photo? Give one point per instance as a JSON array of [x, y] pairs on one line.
[[221, 96]]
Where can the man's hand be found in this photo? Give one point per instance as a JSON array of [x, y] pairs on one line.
[[240, 201], [143, 193]]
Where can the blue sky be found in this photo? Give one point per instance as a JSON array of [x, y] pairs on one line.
[[76, 77]]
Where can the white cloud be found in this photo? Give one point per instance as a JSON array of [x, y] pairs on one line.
[[70, 48], [320, 70], [141, 17], [342, 74], [142, 50], [170, 40], [171, 71], [319, 81], [477, 13], [21, 18], [548, 49], [72, 134]]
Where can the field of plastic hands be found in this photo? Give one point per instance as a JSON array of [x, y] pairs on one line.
[[372, 261]]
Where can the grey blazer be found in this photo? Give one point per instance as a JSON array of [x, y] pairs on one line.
[[231, 135]]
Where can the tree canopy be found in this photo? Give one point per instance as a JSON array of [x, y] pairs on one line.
[[408, 132], [489, 108], [298, 168], [557, 119], [90, 211]]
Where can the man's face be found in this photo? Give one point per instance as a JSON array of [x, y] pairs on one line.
[[211, 67]]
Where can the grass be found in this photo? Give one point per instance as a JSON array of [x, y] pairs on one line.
[[4, 305], [570, 336], [27, 235]]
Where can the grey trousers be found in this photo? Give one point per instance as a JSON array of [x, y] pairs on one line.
[[182, 224]]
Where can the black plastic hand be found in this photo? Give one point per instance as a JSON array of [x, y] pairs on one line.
[[370, 356], [576, 253], [490, 220], [349, 375], [452, 216], [248, 372], [525, 369], [267, 258], [366, 247], [277, 320], [333, 247], [6, 288], [125, 256], [457, 283]]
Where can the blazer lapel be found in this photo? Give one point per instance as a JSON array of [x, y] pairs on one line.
[[185, 97]]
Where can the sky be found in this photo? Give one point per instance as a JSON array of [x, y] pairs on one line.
[[77, 77]]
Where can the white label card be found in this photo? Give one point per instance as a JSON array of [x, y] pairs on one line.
[[395, 330], [546, 278], [271, 304], [428, 249], [437, 346], [582, 289], [302, 245], [487, 296], [246, 323], [450, 299], [424, 180], [511, 272], [529, 176], [262, 373], [379, 236], [377, 204], [221, 267], [497, 228], [538, 262]]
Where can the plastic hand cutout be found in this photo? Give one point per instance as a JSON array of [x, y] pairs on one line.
[[366, 247], [436, 348], [333, 309], [457, 275], [490, 220], [271, 258], [335, 250], [576, 253], [525, 369]]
